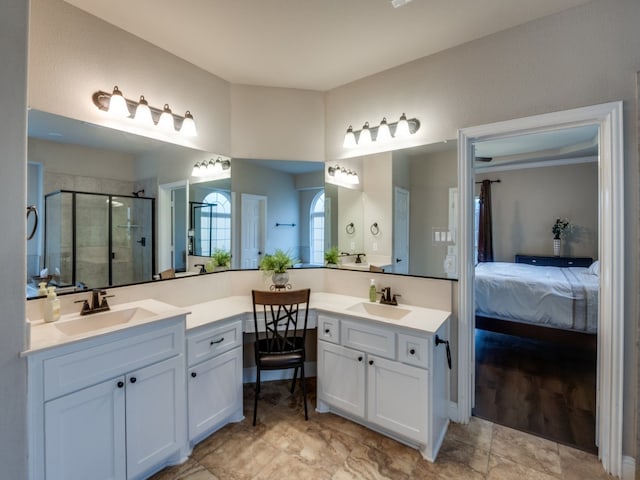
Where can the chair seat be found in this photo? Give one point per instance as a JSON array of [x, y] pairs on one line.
[[280, 360]]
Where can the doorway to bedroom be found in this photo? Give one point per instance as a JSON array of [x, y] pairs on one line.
[[607, 118], [535, 295]]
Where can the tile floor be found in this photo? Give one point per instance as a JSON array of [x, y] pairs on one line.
[[283, 446]]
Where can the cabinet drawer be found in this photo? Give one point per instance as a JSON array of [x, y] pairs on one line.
[[368, 338], [89, 366], [213, 341], [413, 350], [328, 329]]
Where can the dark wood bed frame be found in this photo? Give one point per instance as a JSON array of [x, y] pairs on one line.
[[537, 332]]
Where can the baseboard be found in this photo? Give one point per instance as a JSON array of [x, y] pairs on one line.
[[453, 411], [249, 373], [628, 468]]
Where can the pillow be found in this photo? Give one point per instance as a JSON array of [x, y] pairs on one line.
[[594, 268]]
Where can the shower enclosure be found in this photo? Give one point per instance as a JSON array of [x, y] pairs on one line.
[[98, 240]]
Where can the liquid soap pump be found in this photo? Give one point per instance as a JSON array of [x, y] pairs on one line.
[[372, 290], [51, 306]]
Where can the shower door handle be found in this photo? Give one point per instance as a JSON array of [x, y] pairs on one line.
[[142, 241], [34, 209]]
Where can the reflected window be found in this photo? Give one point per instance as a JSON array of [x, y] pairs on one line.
[[316, 223], [214, 223]]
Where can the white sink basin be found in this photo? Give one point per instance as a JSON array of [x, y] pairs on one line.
[[387, 311], [98, 321]]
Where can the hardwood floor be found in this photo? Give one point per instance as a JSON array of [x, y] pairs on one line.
[[537, 387]]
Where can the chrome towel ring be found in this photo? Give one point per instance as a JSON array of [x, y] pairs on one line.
[[375, 230]]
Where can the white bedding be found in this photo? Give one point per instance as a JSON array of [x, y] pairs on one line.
[[557, 297]]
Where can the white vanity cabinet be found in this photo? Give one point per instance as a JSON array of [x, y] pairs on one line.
[[214, 377], [111, 406], [389, 378]]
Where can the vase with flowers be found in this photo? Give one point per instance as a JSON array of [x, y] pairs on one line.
[[559, 230]]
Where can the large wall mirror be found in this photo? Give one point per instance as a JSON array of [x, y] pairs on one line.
[[400, 217], [102, 207]]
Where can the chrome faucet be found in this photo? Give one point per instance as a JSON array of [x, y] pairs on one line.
[[97, 304]]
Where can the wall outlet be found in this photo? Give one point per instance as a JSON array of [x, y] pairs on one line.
[[374, 246], [353, 246]]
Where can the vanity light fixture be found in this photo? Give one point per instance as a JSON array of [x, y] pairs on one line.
[[211, 167], [344, 175], [118, 106], [382, 133]]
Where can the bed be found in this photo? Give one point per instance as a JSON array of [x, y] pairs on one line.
[[517, 297]]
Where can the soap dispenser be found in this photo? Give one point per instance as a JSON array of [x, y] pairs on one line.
[[42, 289], [372, 290], [51, 306]]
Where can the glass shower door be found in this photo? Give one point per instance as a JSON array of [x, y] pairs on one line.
[[132, 240], [92, 239]]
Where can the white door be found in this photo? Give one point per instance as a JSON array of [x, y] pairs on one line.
[[341, 378], [215, 392], [156, 421], [397, 397], [254, 214], [166, 224], [85, 434], [400, 259]]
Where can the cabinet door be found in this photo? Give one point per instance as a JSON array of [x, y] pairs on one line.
[[341, 377], [397, 397], [215, 392], [84, 434], [156, 421]]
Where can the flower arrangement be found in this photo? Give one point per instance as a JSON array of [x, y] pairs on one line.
[[561, 227]]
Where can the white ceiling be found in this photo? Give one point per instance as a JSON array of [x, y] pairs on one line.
[[312, 44]]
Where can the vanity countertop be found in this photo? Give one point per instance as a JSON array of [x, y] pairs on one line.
[[48, 335], [422, 319]]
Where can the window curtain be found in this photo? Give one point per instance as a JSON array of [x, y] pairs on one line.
[[485, 232]]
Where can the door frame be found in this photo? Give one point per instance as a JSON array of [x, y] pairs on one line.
[[610, 364], [164, 238], [262, 227], [405, 231]]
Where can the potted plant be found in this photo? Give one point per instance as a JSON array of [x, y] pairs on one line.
[[559, 229], [276, 265], [331, 256], [220, 260]]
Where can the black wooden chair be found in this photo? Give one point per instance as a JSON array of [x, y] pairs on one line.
[[280, 341]]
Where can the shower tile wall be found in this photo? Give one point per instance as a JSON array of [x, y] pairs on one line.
[[59, 181], [92, 240]]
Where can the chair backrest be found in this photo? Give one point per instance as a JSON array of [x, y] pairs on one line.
[[283, 314]]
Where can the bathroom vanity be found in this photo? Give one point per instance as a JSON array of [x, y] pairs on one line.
[[123, 393]]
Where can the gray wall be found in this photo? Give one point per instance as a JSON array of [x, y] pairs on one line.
[[527, 202], [13, 158], [584, 56]]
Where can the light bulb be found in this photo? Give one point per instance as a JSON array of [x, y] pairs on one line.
[[365, 135], [349, 138], [197, 171], [188, 125], [384, 134], [166, 119], [143, 112], [402, 130], [118, 105]]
